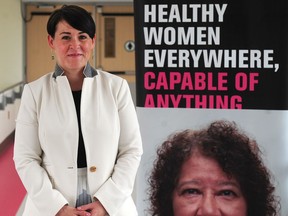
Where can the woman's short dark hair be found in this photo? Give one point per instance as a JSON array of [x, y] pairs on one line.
[[75, 16], [238, 155]]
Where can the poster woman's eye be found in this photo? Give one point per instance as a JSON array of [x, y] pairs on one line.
[[227, 193], [190, 192]]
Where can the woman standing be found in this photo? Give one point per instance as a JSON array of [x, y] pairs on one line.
[[77, 141]]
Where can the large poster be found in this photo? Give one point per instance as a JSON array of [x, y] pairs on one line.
[[198, 62]]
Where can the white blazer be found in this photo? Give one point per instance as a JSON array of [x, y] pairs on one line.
[[46, 143]]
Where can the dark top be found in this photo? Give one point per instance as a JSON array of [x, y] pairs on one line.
[[81, 159]]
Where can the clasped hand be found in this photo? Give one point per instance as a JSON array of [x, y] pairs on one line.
[[91, 209]]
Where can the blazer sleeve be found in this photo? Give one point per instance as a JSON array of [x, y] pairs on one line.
[[120, 185], [27, 158]]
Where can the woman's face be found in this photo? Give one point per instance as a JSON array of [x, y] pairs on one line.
[[72, 47], [204, 189]]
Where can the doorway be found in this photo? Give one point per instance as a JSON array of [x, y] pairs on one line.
[[114, 51]]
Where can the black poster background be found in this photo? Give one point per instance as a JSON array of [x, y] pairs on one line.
[[247, 25]]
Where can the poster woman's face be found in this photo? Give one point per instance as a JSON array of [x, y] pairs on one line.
[[204, 189]]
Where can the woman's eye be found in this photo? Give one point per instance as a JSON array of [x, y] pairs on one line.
[[82, 37], [66, 37]]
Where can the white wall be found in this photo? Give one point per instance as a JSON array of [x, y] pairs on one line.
[[11, 43], [11, 59]]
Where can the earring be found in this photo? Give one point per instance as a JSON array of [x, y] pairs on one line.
[[52, 55]]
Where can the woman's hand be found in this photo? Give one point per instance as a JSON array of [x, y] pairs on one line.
[[71, 211], [95, 208]]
